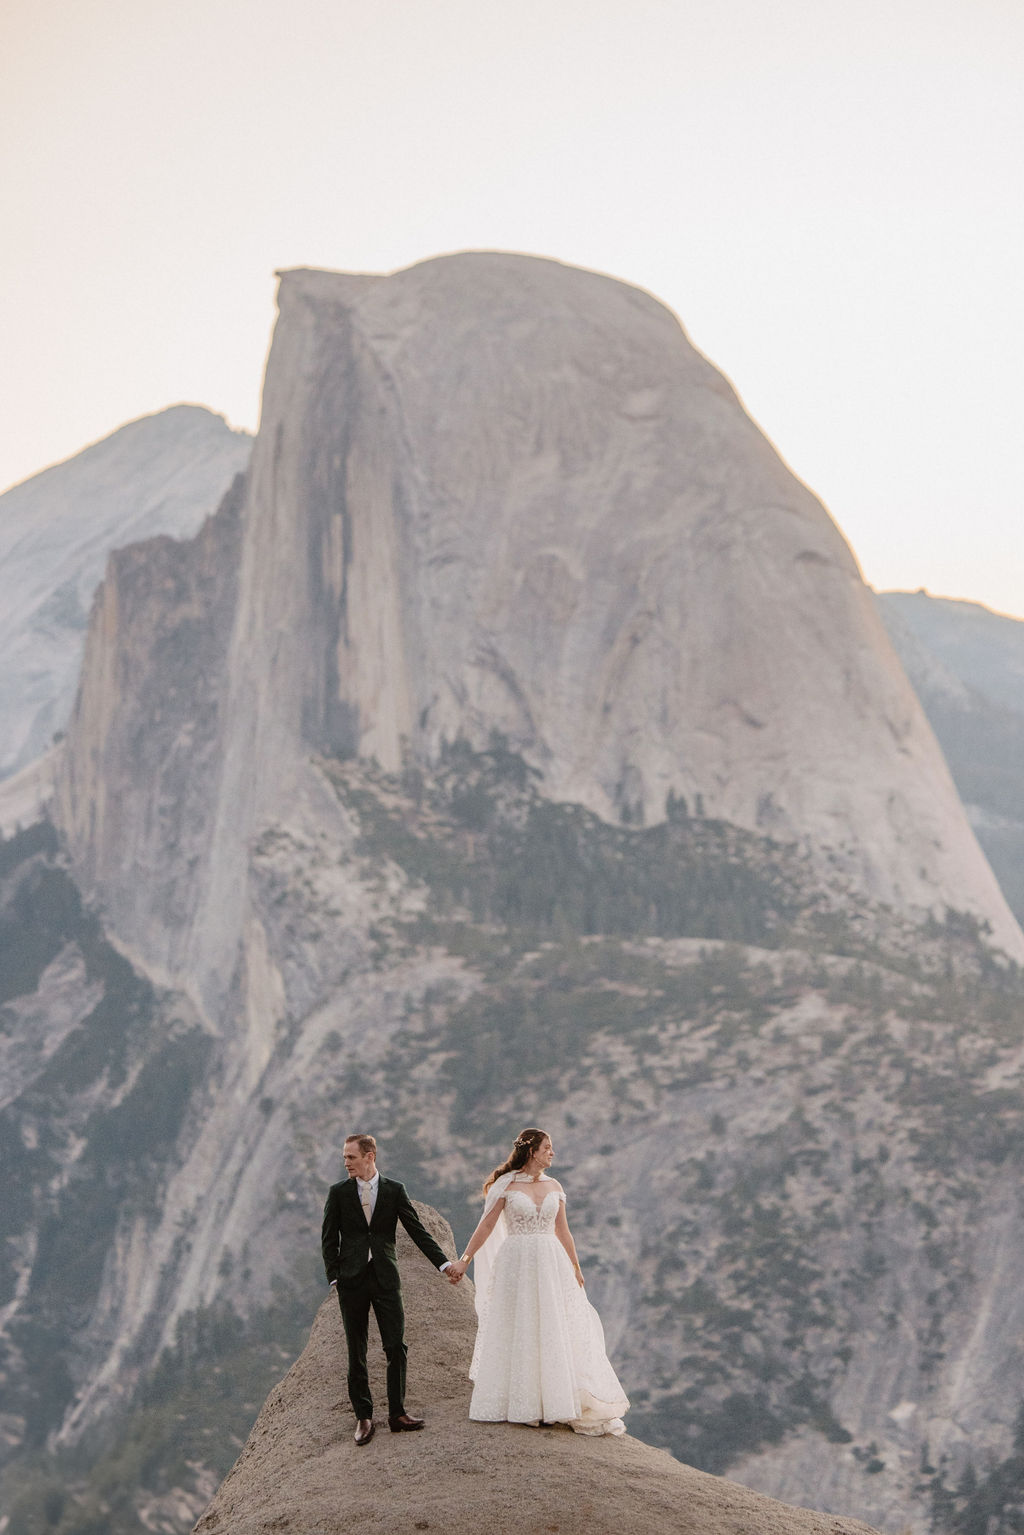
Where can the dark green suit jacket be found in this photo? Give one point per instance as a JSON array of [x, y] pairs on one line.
[[348, 1243]]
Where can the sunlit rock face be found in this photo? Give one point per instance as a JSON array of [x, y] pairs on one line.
[[160, 475], [494, 493]]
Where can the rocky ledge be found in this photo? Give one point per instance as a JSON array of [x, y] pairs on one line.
[[301, 1473]]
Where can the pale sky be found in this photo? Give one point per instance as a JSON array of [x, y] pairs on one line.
[[827, 192]]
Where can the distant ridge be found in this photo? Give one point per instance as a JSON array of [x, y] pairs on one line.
[[967, 667], [161, 474]]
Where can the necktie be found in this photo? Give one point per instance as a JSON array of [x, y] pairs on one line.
[[364, 1200]]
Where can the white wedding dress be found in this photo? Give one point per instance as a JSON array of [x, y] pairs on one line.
[[540, 1352]]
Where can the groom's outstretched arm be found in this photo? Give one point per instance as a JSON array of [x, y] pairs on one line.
[[419, 1233]]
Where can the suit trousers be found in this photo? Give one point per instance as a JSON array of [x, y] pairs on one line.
[[356, 1302]]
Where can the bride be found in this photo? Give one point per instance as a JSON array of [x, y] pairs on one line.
[[539, 1355]]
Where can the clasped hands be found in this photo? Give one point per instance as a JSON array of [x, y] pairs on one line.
[[454, 1272]]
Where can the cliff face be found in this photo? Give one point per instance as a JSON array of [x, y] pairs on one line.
[[137, 791], [493, 493], [160, 475]]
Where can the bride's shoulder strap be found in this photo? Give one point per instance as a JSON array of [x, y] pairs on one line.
[[497, 1191]]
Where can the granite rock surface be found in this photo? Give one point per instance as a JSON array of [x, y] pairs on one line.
[[492, 495], [300, 1470]]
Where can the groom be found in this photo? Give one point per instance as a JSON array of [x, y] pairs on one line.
[[358, 1244]]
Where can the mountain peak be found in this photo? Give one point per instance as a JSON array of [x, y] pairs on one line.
[[495, 494]]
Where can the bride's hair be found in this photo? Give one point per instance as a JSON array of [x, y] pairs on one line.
[[525, 1144]]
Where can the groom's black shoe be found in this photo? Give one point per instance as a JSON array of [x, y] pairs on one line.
[[364, 1430], [404, 1424]]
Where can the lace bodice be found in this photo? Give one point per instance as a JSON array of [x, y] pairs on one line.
[[525, 1218]]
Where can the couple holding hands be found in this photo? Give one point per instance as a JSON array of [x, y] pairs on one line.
[[539, 1355]]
